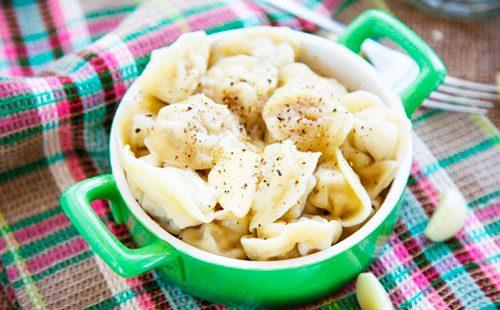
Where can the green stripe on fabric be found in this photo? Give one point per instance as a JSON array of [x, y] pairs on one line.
[[344, 302], [485, 199], [43, 35], [426, 116], [28, 101], [30, 221], [36, 219], [55, 268], [28, 250], [110, 12], [462, 155], [122, 297], [42, 163]]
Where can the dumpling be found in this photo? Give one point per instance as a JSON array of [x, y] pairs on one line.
[[178, 197], [194, 133], [285, 173], [140, 119], [243, 83], [377, 130], [355, 157], [296, 211], [309, 115], [378, 176], [299, 74], [173, 72], [232, 222], [278, 239], [214, 238], [234, 179], [273, 44], [339, 190]]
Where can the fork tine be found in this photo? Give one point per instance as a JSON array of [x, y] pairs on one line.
[[429, 103], [471, 85], [452, 90], [461, 101]]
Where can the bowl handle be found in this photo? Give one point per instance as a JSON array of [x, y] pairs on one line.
[[75, 202], [374, 23]]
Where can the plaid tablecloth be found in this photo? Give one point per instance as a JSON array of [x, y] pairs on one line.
[[64, 66]]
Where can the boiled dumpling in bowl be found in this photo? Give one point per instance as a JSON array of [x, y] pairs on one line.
[[215, 238], [140, 120], [285, 174], [194, 133], [242, 151], [243, 83], [234, 179], [179, 197], [375, 143], [272, 44], [339, 191], [308, 112], [173, 72], [377, 130], [275, 240]]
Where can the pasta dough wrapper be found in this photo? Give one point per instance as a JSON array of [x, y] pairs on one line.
[[140, 119], [178, 197], [285, 174], [173, 72], [273, 44], [215, 238], [243, 83], [377, 130], [194, 133], [234, 179], [278, 239], [307, 111], [339, 190]]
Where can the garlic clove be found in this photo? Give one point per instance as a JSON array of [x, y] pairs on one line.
[[449, 216], [370, 293]]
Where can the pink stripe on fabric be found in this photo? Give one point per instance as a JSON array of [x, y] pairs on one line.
[[100, 208], [472, 251], [19, 122], [65, 138], [112, 64], [144, 44], [67, 146], [144, 299], [9, 48], [249, 9], [56, 254], [417, 275], [102, 26], [427, 188], [211, 18], [488, 213], [42, 229], [3, 245], [10, 292], [60, 22], [12, 273]]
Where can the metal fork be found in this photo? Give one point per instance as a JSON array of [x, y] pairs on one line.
[[456, 95]]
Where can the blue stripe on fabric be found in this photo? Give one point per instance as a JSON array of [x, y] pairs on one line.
[[176, 298], [416, 220]]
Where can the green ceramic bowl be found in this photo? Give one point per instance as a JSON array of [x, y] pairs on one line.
[[237, 282]]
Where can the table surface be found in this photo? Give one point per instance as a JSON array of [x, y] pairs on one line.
[[468, 48]]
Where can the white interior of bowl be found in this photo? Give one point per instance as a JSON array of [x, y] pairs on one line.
[[329, 59]]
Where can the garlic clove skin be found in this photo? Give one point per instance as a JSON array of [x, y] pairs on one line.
[[370, 293], [449, 216]]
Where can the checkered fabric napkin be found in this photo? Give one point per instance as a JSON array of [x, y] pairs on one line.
[[65, 65]]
